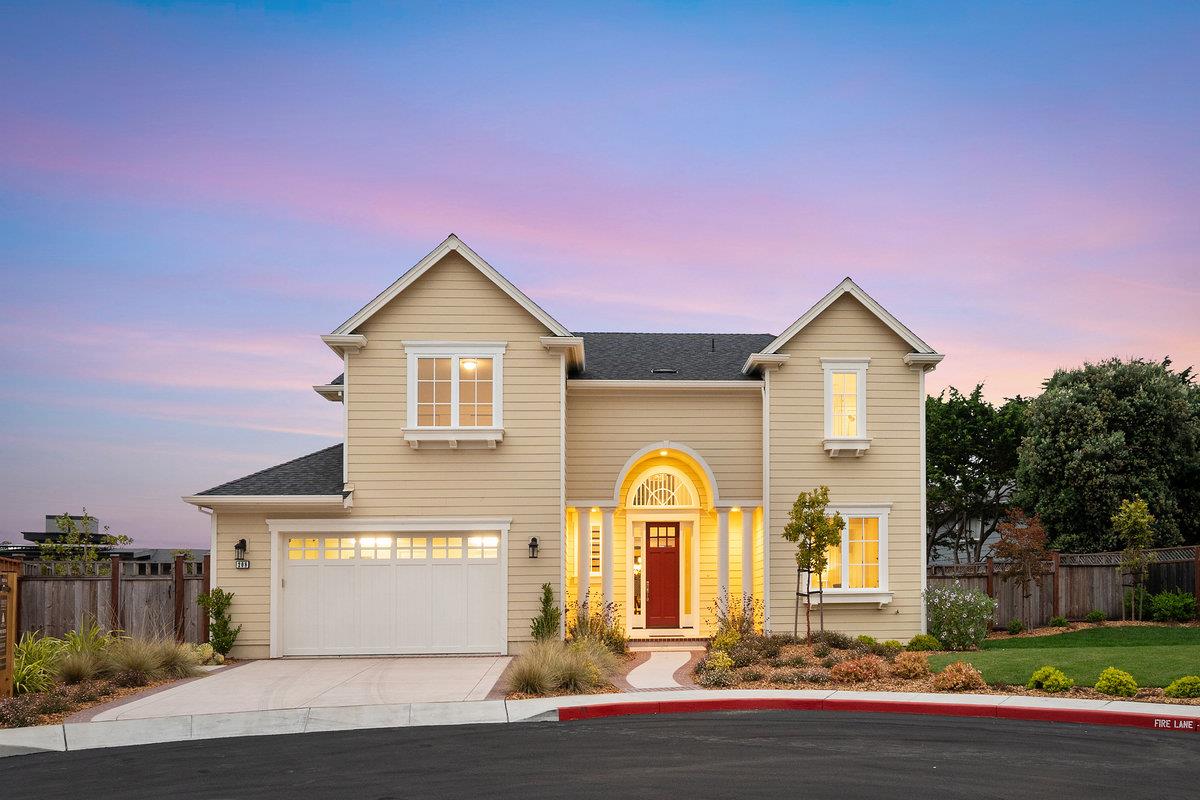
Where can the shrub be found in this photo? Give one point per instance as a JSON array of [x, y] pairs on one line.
[[814, 676], [829, 662], [752, 675], [820, 649], [53, 702], [1015, 626], [599, 621], [838, 641], [77, 667], [796, 661], [854, 670], [20, 711], [1059, 622], [1049, 679], [89, 637], [1096, 617], [959, 676], [788, 676], [1187, 686], [1116, 682], [771, 646], [718, 660], [923, 641], [716, 678], [134, 662], [959, 617], [725, 640], [742, 615], [869, 641], [1173, 606], [220, 632], [911, 665], [35, 659], [546, 624], [90, 690]]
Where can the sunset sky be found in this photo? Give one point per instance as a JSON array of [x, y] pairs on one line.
[[191, 194]]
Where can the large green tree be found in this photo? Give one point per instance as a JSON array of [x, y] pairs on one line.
[[1109, 432], [971, 467]]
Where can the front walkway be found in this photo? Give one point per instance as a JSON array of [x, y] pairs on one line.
[[320, 683]]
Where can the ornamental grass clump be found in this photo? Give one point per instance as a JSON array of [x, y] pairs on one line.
[[960, 676], [78, 667], [1116, 682], [1049, 679], [911, 665], [959, 617], [857, 670]]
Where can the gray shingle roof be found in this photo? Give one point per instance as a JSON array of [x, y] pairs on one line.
[[315, 473], [692, 356]]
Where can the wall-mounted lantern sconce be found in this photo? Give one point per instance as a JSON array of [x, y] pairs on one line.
[[239, 555], [533, 547]]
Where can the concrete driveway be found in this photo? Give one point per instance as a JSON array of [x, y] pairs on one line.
[[320, 682]]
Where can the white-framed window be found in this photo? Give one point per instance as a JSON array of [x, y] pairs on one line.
[[594, 552], [845, 405], [455, 385], [859, 564]]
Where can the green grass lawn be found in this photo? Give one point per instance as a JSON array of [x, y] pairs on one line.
[[1154, 656]]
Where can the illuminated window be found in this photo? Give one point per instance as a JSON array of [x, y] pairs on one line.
[[845, 398], [409, 547], [304, 549], [663, 489], [339, 548], [375, 547], [859, 562], [447, 547], [454, 386], [594, 546], [483, 546]]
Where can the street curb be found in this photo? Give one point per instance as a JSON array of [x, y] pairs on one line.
[[1083, 716]]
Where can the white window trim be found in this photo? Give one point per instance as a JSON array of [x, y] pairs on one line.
[[455, 433], [846, 445], [880, 595], [596, 545]]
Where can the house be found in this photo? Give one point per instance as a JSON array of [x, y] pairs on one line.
[[489, 449]]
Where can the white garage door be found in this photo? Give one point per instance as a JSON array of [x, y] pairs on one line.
[[392, 594]]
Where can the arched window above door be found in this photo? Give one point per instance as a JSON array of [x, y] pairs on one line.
[[664, 488]]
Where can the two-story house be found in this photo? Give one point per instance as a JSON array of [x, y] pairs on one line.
[[489, 450]]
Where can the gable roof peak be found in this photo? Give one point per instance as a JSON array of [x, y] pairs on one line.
[[451, 243]]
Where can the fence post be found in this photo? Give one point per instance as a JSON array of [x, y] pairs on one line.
[[1056, 600], [177, 575], [207, 567], [991, 570], [114, 597]]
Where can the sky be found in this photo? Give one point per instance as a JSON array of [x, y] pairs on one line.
[[190, 194]]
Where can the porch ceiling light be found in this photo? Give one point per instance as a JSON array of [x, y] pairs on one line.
[[469, 364], [662, 452]]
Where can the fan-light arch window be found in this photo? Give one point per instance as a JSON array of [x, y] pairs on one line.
[[663, 489]]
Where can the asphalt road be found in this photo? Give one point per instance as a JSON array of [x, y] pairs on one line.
[[739, 755]]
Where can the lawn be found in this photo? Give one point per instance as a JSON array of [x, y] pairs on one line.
[[1154, 656]]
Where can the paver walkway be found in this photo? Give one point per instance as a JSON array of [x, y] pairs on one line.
[[321, 683], [658, 672]]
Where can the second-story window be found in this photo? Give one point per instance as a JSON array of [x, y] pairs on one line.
[[846, 405], [449, 389]]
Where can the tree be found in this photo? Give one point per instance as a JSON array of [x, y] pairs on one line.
[[545, 625], [813, 532], [1133, 526], [1022, 551], [221, 633], [79, 544], [1107, 432], [971, 467]]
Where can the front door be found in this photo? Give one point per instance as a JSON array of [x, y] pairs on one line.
[[662, 574]]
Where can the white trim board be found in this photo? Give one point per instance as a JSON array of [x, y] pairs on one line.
[[210, 500], [451, 244], [849, 287]]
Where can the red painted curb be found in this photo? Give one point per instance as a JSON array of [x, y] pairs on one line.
[[1082, 716]]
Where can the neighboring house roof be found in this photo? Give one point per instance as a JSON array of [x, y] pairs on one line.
[[669, 356], [318, 473], [451, 244]]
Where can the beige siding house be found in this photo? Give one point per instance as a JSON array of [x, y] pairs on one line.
[[490, 450]]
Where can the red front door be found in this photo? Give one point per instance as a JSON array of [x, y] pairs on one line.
[[662, 574]]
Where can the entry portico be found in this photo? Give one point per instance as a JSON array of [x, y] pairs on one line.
[[665, 546]]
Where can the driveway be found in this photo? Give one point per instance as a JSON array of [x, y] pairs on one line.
[[320, 682]]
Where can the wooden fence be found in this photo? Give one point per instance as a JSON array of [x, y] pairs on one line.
[[55, 599], [10, 570], [1073, 584]]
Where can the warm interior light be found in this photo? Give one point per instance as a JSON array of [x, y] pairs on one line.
[[469, 364], [596, 509], [736, 508], [662, 452]]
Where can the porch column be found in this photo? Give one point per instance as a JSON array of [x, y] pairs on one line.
[[748, 551], [606, 553], [722, 553], [583, 542]]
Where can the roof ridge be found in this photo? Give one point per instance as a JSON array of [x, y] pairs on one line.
[[668, 333]]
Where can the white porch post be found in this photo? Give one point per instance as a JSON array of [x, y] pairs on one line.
[[583, 541], [748, 551], [606, 553], [722, 553]]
